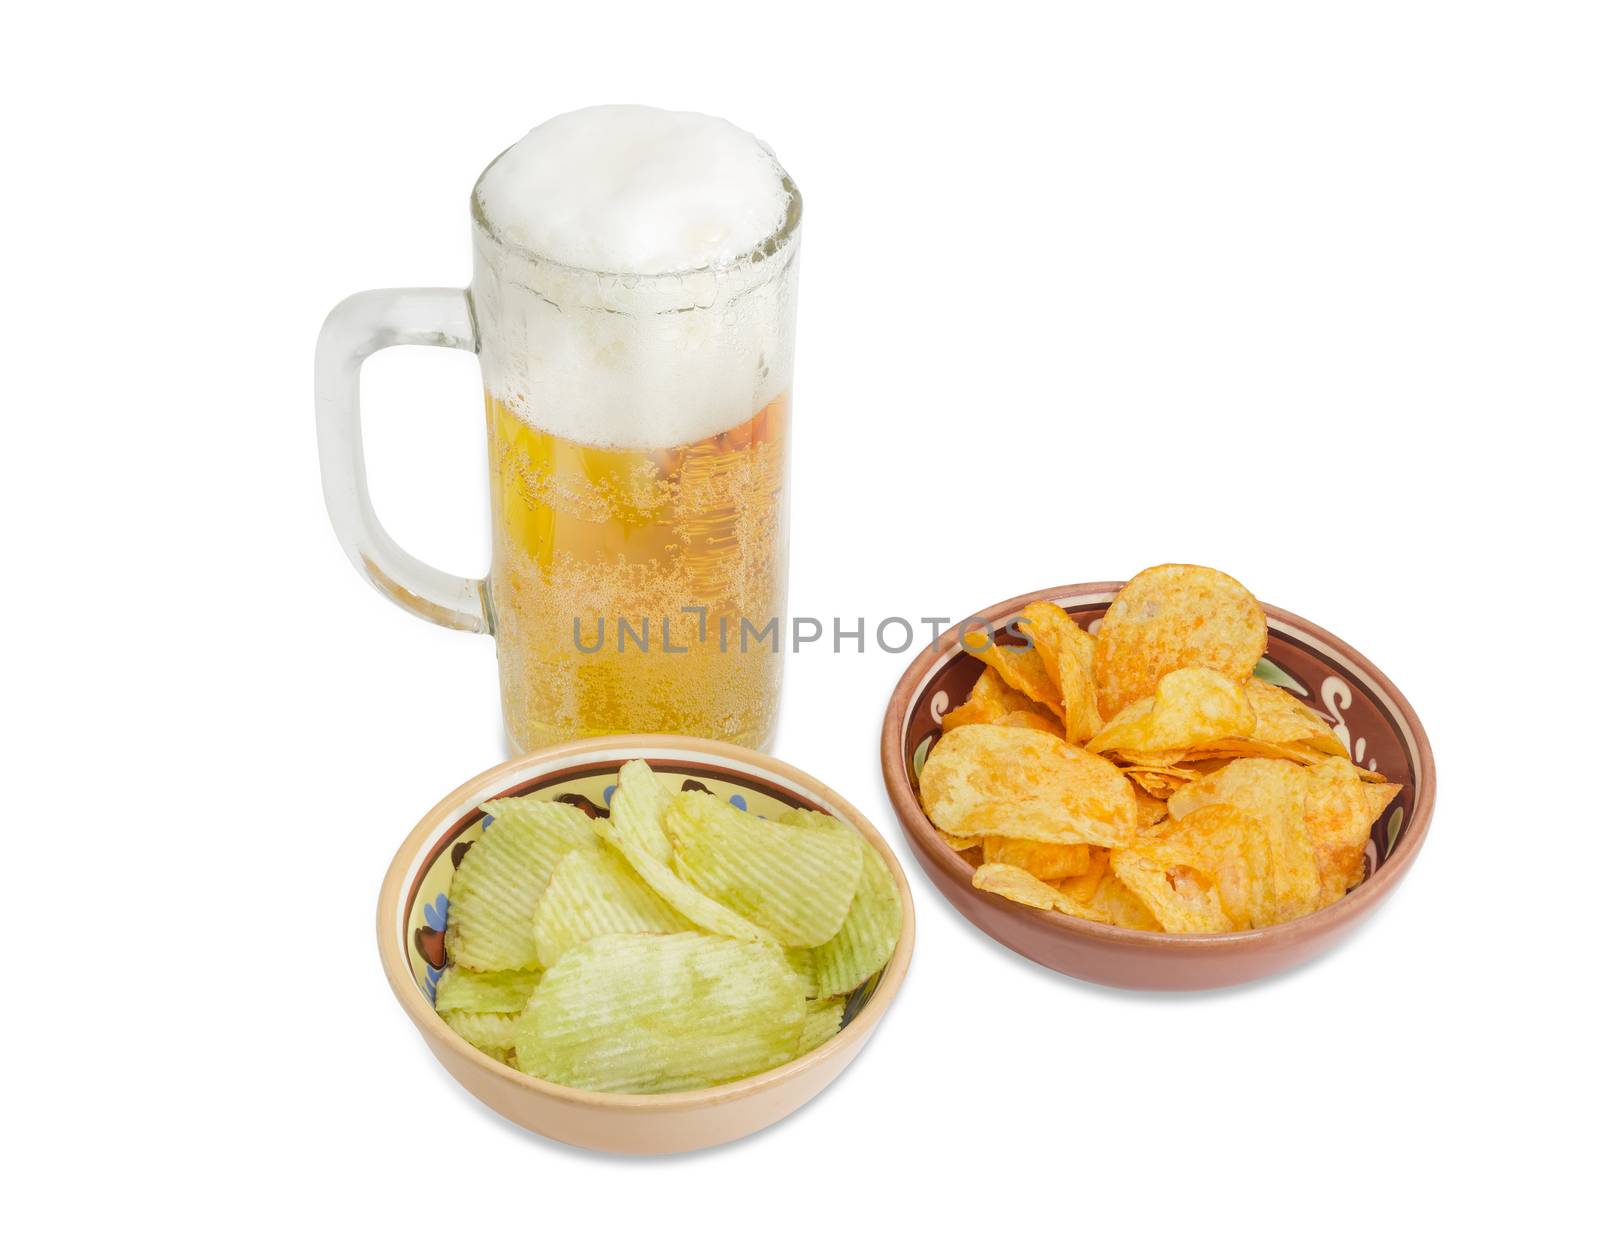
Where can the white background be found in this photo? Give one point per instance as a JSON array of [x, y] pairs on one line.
[[1309, 293]]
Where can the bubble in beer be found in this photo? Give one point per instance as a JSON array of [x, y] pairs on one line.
[[631, 189]]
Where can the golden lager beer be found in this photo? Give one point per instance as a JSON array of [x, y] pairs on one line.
[[630, 586]]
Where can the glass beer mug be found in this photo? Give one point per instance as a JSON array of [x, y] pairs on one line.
[[633, 309]]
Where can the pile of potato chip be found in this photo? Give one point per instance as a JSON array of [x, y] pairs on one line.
[[1143, 776], [681, 943]]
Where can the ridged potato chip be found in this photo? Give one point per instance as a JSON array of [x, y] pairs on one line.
[[817, 819], [1066, 652], [865, 940], [1039, 857], [638, 808], [804, 963], [1192, 707], [1170, 617], [597, 894], [652, 1014], [871, 927], [676, 891], [795, 882], [997, 780], [823, 1021], [495, 1033], [501, 877], [484, 992]]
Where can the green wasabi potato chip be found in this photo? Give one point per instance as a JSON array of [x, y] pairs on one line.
[[500, 880], [597, 894], [823, 1020], [494, 1034], [637, 807], [795, 882], [869, 933], [484, 992], [643, 1014], [804, 962], [676, 891]]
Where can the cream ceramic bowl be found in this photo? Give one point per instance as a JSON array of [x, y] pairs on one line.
[[414, 907]]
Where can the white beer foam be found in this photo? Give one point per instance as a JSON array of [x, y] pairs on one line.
[[627, 188], [617, 299]]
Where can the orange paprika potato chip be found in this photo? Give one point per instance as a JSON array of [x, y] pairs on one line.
[[1032, 721], [989, 701], [1222, 750], [1181, 898], [1338, 821], [1274, 792], [1170, 617], [1067, 654], [960, 843], [1284, 718], [1161, 782], [1151, 809], [973, 710], [1378, 796], [1111, 901], [1007, 781], [1051, 626], [1192, 707], [1048, 861], [1020, 668], [1227, 749], [1230, 848], [1081, 888], [1015, 884], [1115, 903]]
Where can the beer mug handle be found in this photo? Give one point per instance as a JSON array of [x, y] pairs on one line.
[[361, 325]]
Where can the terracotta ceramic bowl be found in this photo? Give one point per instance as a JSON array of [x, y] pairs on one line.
[[1363, 706], [414, 906]]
